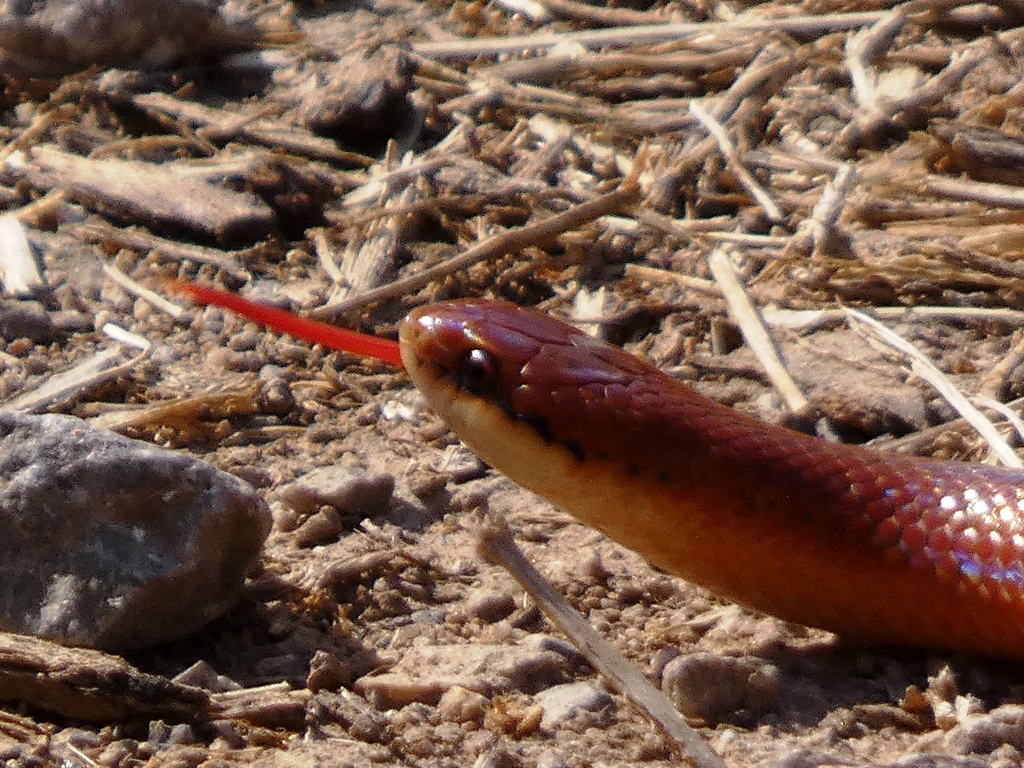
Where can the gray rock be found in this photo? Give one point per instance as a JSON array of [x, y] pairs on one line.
[[562, 647], [113, 543]]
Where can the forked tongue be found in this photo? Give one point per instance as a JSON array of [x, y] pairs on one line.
[[300, 327]]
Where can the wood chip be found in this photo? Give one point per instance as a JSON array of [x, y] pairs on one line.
[[88, 685], [165, 197]]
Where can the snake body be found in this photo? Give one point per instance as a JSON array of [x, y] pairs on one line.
[[880, 548], [877, 547]]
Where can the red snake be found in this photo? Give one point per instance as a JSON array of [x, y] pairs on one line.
[[877, 547]]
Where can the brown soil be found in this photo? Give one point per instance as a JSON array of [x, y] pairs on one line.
[[384, 145]]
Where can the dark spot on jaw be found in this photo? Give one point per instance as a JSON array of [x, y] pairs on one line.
[[664, 477], [603, 455], [540, 425], [575, 449], [633, 468]]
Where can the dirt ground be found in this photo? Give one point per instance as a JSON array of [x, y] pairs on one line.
[[837, 156]]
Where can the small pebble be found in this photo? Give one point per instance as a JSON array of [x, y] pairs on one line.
[[461, 705], [243, 362], [425, 484], [556, 644], [286, 518], [662, 657], [328, 672], [565, 702], [222, 358], [203, 675], [181, 733], [490, 606], [246, 341], [26, 320], [368, 414], [462, 465], [321, 528], [228, 736], [707, 685], [424, 674], [276, 396], [351, 491]]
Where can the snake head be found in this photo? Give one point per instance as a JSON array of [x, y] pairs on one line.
[[499, 351], [470, 348], [492, 363]]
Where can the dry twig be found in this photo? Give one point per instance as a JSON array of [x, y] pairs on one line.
[[927, 370], [537, 233], [752, 327], [734, 162], [794, 25], [496, 544]]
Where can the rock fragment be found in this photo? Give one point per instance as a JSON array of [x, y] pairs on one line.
[[360, 101], [563, 703], [115, 544], [490, 606], [708, 685], [26, 320], [983, 733], [461, 705], [169, 198], [328, 672], [425, 674], [353, 492], [323, 527]]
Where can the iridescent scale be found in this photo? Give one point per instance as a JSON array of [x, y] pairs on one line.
[[963, 520]]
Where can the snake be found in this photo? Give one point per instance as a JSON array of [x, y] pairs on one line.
[[876, 547]]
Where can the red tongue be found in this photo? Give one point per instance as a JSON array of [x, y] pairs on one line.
[[311, 330]]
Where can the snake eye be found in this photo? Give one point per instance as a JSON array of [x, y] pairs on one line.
[[476, 372]]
